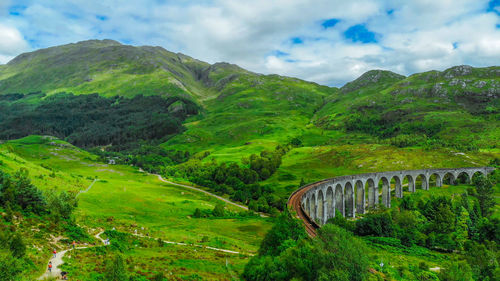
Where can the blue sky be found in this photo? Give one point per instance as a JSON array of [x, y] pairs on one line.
[[326, 41]]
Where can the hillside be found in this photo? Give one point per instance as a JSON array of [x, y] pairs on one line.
[[224, 113], [110, 68], [123, 198], [68, 112]]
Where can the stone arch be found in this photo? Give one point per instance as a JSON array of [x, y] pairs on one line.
[[349, 200], [463, 177], [329, 203], [436, 179], [372, 193], [424, 181], [386, 191], [477, 173], [398, 186], [448, 178], [410, 183], [321, 210], [339, 199], [360, 197]]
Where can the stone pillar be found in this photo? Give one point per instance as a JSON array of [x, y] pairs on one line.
[[386, 193], [334, 203], [425, 183], [343, 204], [439, 180], [353, 195], [399, 188], [325, 210], [411, 183], [371, 195]]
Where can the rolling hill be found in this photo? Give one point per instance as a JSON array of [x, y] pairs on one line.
[[68, 111], [235, 113]]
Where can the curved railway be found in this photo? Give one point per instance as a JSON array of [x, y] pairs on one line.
[[294, 203]]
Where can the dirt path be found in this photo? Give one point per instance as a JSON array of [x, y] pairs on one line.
[[58, 260], [195, 245], [204, 191], [88, 188]]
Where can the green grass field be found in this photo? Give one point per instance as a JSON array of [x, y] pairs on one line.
[[127, 199]]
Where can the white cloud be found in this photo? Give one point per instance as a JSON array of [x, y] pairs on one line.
[[415, 36], [11, 43]]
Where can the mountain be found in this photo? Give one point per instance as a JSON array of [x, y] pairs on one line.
[[248, 137], [110, 68], [236, 105], [232, 112]]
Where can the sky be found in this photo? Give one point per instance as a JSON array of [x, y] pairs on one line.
[[329, 42]]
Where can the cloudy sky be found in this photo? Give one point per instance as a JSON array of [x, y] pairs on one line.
[[326, 41]]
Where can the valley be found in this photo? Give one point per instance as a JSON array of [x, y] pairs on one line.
[[187, 167]]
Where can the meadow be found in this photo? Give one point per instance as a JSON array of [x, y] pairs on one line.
[[126, 199]]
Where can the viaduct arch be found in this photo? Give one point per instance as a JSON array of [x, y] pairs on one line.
[[354, 194]]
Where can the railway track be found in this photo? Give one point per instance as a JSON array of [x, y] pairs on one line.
[[294, 203]]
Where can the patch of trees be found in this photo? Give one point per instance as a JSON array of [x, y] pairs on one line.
[[241, 183], [287, 254], [461, 224], [93, 120], [21, 201], [150, 158]]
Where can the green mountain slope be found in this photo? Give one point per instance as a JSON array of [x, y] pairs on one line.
[[105, 67], [242, 113], [458, 107]]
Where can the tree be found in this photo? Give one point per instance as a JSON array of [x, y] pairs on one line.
[[341, 254], [10, 267], [197, 213], [115, 269], [456, 271], [62, 204], [484, 194], [461, 229], [482, 259], [302, 182], [218, 211], [375, 224], [17, 246], [285, 228]]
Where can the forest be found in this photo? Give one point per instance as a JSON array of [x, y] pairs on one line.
[[92, 120]]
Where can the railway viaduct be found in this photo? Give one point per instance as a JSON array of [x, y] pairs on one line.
[[353, 194]]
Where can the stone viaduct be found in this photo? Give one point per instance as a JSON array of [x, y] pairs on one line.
[[347, 193]]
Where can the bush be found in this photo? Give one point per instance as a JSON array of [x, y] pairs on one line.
[[375, 224], [115, 269], [218, 210]]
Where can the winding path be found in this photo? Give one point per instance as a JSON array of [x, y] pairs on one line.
[[201, 190], [86, 190], [58, 260]]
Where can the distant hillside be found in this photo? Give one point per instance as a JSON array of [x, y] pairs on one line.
[[110, 68], [241, 112], [457, 107]]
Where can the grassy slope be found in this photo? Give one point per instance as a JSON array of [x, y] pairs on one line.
[[106, 67], [127, 199], [252, 113], [466, 104]]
